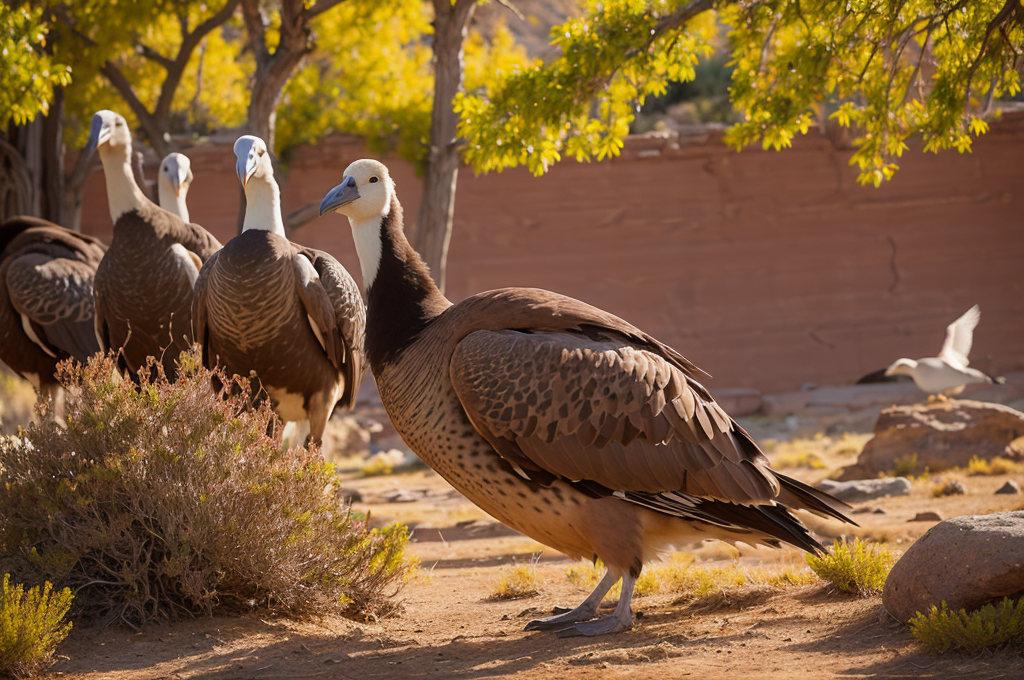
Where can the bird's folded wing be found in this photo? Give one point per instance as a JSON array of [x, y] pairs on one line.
[[605, 411], [55, 296], [959, 337], [194, 237], [349, 315]]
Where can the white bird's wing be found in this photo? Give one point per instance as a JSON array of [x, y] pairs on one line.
[[959, 336]]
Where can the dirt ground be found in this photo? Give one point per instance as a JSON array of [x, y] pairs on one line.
[[451, 628]]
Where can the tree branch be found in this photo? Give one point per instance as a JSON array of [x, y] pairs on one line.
[[679, 18], [125, 89], [512, 8], [320, 7], [151, 54], [256, 27]]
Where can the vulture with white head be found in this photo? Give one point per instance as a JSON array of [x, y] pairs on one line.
[[559, 419], [46, 300], [172, 182], [144, 284], [288, 314]]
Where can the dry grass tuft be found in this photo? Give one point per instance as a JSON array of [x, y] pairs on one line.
[[991, 627], [17, 401], [904, 466], [516, 582], [996, 466], [162, 500], [31, 626], [859, 568], [680, 576]]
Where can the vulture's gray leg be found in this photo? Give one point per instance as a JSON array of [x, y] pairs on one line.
[[586, 611]]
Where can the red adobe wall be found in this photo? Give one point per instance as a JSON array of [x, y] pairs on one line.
[[767, 269]]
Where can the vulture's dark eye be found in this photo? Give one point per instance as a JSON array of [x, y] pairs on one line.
[[260, 151], [373, 179]]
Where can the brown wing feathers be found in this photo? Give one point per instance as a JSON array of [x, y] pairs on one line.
[[605, 407]]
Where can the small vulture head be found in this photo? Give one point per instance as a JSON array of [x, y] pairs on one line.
[[364, 193], [109, 131], [901, 367], [252, 160], [176, 173]]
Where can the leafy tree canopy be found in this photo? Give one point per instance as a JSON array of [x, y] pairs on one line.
[[888, 69], [30, 71]]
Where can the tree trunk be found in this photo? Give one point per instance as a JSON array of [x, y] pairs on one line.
[[52, 181], [434, 226]]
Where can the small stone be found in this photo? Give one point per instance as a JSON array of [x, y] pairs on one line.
[[879, 511], [1011, 487], [953, 487], [861, 490], [350, 495], [929, 516]]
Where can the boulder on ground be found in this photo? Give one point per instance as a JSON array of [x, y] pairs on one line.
[[926, 516], [965, 562], [940, 435], [1011, 487], [866, 489]]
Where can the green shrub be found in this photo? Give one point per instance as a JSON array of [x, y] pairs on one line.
[[856, 567], [987, 628], [160, 500], [31, 626]]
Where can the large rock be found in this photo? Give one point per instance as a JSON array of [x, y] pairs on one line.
[[965, 562], [942, 435], [866, 489]]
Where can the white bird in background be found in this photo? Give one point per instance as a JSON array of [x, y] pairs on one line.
[[173, 182], [948, 372]]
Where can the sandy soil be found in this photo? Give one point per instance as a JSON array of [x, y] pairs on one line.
[[450, 628]]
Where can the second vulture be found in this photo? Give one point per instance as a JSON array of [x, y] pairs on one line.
[[144, 284], [172, 183], [559, 419], [289, 314]]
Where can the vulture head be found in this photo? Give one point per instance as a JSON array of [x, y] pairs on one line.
[[109, 131], [252, 160], [364, 193], [175, 174]]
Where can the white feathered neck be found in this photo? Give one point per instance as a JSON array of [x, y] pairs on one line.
[[263, 206], [173, 203], [123, 193]]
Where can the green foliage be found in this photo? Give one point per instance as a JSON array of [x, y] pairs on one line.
[[888, 70], [213, 89], [31, 626], [859, 568], [371, 76], [582, 103], [170, 499], [891, 69], [29, 72], [992, 626]]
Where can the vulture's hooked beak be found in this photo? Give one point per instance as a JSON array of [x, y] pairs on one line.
[[346, 192], [247, 169], [99, 134]]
